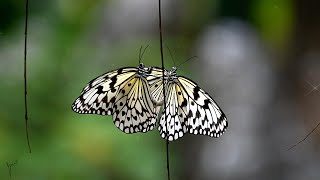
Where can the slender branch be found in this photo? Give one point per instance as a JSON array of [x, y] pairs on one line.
[[164, 93], [304, 137], [25, 72]]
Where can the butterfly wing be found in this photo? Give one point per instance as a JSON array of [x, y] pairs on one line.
[[205, 117], [112, 93], [99, 94], [134, 110], [155, 83], [172, 123], [190, 109], [156, 87], [106, 77]]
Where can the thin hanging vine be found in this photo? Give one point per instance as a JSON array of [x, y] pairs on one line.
[[304, 137], [164, 95], [25, 72]]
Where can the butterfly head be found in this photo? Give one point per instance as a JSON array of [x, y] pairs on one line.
[[172, 74], [143, 70], [141, 66], [174, 70]]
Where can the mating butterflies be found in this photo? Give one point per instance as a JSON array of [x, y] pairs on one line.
[[133, 96], [122, 93], [188, 108]]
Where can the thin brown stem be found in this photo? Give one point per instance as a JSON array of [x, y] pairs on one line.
[[305, 137], [164, 93], [25, 73]]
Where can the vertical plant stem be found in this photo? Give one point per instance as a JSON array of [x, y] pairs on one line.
[[25, 72], [164, 93]]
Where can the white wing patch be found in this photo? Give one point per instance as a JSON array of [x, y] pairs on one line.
[[122, 94]]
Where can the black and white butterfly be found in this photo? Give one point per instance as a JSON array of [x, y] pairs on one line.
[[123, 93], [188, 108]]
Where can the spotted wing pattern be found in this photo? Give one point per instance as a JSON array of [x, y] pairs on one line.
[[188, 108], [124, 94]]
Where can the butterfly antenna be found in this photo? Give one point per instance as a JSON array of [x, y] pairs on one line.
[[144, 51], [141, 53], [174, 63], [187, 60]]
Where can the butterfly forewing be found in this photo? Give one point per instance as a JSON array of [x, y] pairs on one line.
[[204, 115], [106, 78], [98, 96]]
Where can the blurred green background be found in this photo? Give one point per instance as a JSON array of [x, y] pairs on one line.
[[72, 42]]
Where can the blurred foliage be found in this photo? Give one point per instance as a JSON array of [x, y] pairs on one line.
[[274, 20], [62, 57], [10, 12]]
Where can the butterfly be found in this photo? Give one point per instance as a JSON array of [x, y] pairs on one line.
[[188, 108], [123, 93]]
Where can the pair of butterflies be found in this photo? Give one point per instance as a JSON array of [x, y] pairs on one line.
[[134, 97]]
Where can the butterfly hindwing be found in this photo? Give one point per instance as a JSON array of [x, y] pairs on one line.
[[135, 111], [156, 83], [156, 86], [174, 126]]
